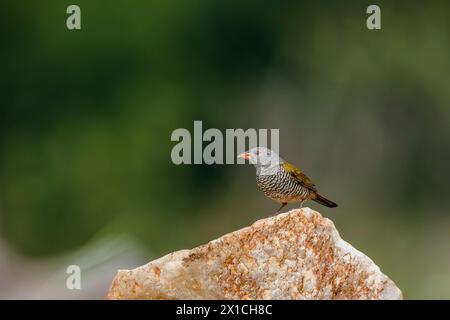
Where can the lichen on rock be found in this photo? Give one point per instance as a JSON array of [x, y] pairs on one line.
[[294, 255]]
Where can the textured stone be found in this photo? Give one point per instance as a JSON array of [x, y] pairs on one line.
[[294, 255]]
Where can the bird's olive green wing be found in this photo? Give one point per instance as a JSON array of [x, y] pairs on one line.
[[299, 176]]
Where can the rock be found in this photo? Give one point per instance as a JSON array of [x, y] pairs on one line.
[[294, 255]]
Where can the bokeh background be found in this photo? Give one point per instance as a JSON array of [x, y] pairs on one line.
[[86, 118]]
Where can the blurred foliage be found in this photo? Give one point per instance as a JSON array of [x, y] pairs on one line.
[[86, 118]]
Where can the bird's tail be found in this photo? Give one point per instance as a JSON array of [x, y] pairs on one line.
[[324, 201]]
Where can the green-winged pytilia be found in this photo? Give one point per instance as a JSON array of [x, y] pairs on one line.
[[282, 181]]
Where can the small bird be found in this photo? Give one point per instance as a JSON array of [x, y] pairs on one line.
[[282, 181]]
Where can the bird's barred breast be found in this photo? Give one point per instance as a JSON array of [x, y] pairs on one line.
[[282, 187]]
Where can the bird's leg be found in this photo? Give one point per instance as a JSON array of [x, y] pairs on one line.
[[282, 206], [301, 204]]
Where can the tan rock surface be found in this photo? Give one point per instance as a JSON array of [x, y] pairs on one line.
[[295, 255]]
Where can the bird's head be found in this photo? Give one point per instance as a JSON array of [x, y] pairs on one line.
[[262, 157]]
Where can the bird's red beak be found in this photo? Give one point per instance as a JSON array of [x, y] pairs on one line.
[[245, 155]]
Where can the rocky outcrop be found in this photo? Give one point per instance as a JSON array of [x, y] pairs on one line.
[[294, 255]]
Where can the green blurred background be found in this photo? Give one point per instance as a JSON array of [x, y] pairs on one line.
[[86, 118]]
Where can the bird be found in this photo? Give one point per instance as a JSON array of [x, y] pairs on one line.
[[281, 181]]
